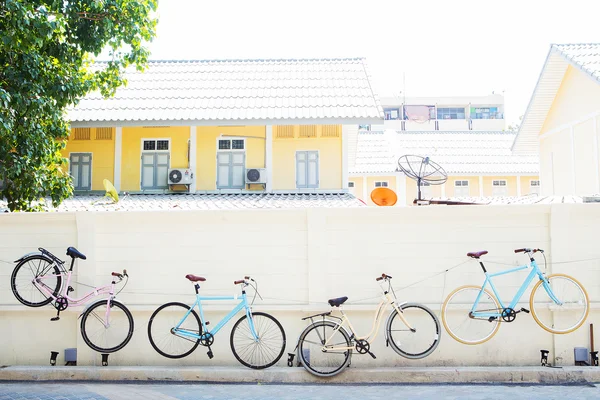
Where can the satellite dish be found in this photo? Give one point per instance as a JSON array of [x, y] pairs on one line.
[[110, 191], [422, 169], [384, 197]]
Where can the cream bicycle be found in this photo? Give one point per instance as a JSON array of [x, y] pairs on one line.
[[325, 346]]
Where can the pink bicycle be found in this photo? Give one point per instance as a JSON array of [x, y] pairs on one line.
[[41, 278]]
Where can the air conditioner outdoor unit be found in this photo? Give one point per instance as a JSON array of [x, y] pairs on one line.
[[180, 176], [256, 175]]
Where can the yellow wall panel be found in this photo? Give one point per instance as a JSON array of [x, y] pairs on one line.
[[132, 151], [206, 153], [103, 156], [330, 160]]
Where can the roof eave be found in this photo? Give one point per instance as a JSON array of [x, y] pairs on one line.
[[219, 122]]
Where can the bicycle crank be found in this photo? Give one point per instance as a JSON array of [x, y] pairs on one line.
[[363, 347]]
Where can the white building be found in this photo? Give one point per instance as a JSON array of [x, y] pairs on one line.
[[465, 113]]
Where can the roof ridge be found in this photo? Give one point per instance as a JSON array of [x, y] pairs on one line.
[[238, 60]]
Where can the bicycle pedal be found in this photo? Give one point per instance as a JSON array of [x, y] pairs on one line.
[[54, 318], [491, 319], [524, 310], [210, 354], [372, 355]]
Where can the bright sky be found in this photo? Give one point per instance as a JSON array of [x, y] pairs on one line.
[[445, 47]]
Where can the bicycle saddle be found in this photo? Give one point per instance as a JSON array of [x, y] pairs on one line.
[[74, 253], [194, 278], [337, 302], [477, 254]]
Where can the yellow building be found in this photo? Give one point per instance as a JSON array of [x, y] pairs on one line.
[[562, 122], [478, 164], [224, 127]]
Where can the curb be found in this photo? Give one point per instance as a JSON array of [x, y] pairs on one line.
[[400, 375]]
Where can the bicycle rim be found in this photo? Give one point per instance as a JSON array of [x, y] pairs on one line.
[[162, 334], [321, 362], [560, 318], [107, 336], [458, 322], [23, 276], [418, 343], [260, 353]]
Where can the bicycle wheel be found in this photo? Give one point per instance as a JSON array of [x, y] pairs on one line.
[[161, 330], [559, 318], [106, 330], [329, 361], [458, 320], [24, 274], [425, 338], [261, 353]]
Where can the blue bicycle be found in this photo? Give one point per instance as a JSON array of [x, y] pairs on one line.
[[558, 303], [257, 339]]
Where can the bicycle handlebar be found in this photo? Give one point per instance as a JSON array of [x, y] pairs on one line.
[[383, 276], [119, 275], [242, 280], [526, 250]]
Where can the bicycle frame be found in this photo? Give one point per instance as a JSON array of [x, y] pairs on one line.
[[38, 282], [242, 305], [386, 300], [535, 271]]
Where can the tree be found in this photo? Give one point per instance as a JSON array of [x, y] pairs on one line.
[[516, 126], [47, 51]]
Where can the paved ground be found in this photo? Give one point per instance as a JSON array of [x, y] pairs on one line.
[[162, 391]]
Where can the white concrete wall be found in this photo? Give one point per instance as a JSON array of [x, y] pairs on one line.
[[300, 259]]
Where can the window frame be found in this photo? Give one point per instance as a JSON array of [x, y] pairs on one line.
[[385, 184], [537, 186], [502, 183], [460, 183], [451, 111], [318, 177], [231, 163], [168, 152], [90, 175], [351, 185], [398, 116]]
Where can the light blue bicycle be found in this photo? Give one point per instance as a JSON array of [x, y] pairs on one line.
[[558, 303], [257, 339]]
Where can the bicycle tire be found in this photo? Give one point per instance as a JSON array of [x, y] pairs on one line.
[[485, 337], [534, 309], [165, 324], [276, 338], [305, 351], [40, 271], [416, 322], [90, 315]]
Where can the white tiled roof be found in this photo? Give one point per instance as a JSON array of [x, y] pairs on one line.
[[584, 55], [468, 153], [187, 201], [216, 91], [506, 200], [374, 153]]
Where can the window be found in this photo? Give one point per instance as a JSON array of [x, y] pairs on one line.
[[485, 113], [333, 131], [461, 189], [308, 131], [499, 188], [103, 133], [534, 187], [451, 113], [81, 134], [364, 127], [350, 184], [80, 165], [155, 163], [391, 113], [231, 164], [307, 169], [284, 131], [381, 184], [419, 113]]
